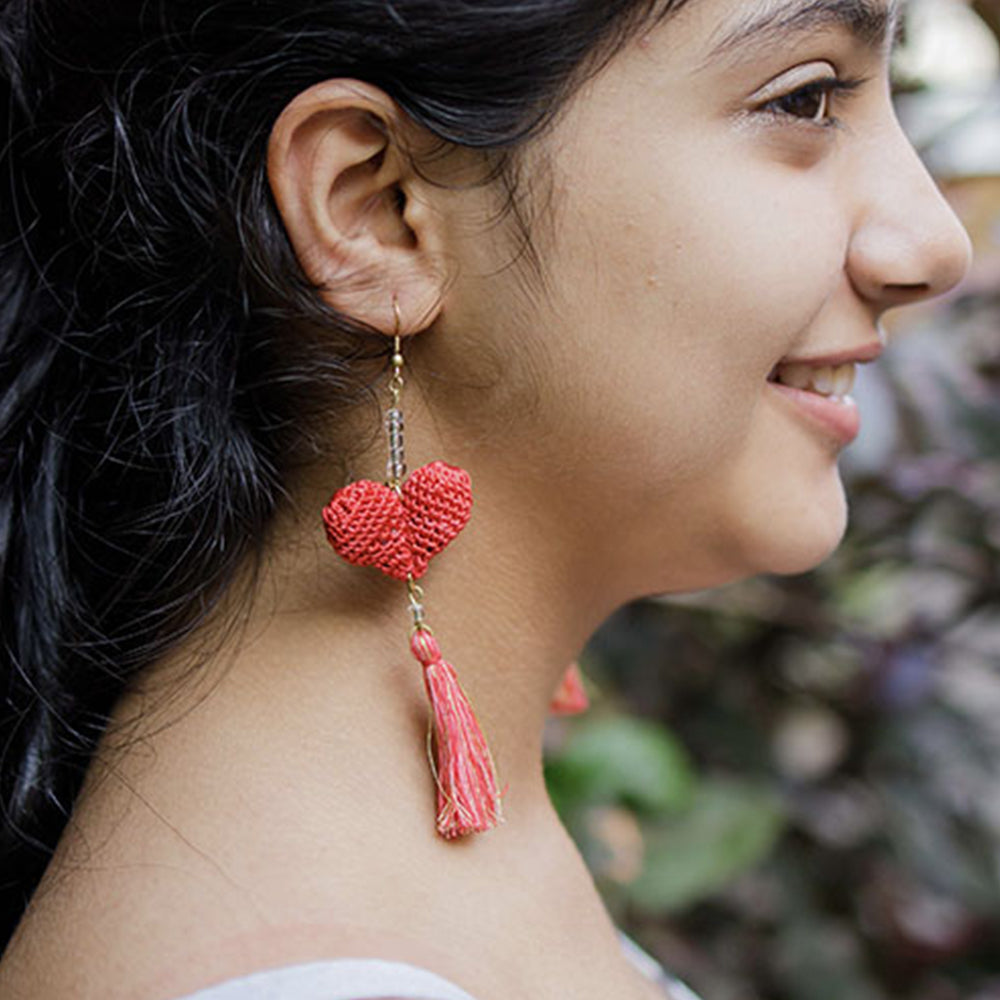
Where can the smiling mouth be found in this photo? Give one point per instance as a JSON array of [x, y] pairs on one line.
[[821, 396], [835, 382], [818, 390]]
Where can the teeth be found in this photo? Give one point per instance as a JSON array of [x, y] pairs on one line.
[[797, 376], [838, 381], [823, 381], [844, 379]]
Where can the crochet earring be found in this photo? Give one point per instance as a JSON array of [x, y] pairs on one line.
[[571, 696], [398, 526]]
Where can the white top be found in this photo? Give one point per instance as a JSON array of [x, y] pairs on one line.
[[376, 979], [336, 979]]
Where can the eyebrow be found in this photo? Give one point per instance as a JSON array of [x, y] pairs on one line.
[[870, 22]]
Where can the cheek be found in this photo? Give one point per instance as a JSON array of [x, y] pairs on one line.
[[683, 292], [677, 296]]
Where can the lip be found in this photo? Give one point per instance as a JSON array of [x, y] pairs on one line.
[[840, 421], [856, 355]]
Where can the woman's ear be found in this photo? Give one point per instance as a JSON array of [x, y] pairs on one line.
[[353, 208]]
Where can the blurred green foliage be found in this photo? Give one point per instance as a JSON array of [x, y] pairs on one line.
[[790, 788]]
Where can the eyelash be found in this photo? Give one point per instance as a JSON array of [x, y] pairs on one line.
[[826, 89]]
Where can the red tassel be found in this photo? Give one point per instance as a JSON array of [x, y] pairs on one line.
[[468, 797], [571, 697]]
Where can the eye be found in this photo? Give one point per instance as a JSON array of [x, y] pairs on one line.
[[811, 103]]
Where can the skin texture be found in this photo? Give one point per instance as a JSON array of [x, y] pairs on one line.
[[615, 415]]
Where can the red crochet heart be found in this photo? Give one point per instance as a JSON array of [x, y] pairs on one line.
[[369, 524]]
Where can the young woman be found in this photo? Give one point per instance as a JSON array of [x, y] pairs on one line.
[[615, 259]]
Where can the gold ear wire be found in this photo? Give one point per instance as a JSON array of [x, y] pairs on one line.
[[397, 343], [396, 382]]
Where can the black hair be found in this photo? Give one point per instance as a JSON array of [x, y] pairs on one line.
[[152, 403]]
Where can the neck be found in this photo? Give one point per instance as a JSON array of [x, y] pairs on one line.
[[322, 676]]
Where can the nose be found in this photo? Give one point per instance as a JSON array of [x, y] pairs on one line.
[[907, 245]]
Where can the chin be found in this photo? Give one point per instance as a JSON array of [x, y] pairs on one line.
[[785, 530], [805, 543], [801, 547]]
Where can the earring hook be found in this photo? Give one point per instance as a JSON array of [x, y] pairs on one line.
[[396, 382], [398, 317]]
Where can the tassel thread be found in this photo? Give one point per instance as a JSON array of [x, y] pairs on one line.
[[468, 798]]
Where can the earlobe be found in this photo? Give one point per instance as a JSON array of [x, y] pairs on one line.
[[341, 182]]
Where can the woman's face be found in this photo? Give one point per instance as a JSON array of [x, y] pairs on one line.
[[731, 194]]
